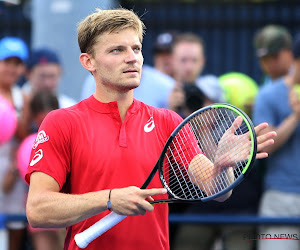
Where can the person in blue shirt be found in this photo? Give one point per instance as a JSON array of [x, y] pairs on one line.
[[278, 104]]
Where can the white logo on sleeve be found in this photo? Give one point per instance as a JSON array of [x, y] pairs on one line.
[[149, 125], [37, 157], [40, 138]]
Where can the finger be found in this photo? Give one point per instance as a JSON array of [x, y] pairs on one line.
[[142, 207], [146, 206], [260, 127], [264, 137], [236, 124], [149, 198], [261, 155], [262, 146], [153, 192]]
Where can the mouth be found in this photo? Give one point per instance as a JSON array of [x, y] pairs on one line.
[[130, 71]]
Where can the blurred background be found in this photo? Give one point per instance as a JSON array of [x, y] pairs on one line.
[[226, 26]]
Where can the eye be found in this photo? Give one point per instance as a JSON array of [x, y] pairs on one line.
[[116, 50], [137, 49]]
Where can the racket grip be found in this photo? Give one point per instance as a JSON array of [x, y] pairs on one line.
[[87, 236]]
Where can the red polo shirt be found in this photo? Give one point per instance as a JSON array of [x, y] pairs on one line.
[[87, 148]]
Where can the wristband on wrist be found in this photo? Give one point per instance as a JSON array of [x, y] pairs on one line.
[[108, 204]]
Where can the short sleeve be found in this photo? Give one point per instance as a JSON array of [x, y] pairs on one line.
[[185, 145], [263, 110], [51, 149]]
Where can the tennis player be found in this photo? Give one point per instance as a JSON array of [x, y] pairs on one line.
[[92, 157]]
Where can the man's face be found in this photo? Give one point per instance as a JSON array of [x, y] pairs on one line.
[[118, 60], [45, 77], [188, 61], [11, 69], [163, 61], [277, 65]]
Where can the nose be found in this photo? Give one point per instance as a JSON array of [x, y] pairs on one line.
[[131, 56]]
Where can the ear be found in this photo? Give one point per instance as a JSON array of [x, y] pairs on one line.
[[86, 61]]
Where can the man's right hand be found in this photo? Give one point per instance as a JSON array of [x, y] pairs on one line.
[[133, 200]]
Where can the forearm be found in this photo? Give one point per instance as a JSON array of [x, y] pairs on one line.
[[49, 209], [53, 210], [206, 176], [284, 132]]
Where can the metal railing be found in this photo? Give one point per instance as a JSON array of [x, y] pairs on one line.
[[231, 219]]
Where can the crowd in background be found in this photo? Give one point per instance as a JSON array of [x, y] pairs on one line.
[[175, 82]]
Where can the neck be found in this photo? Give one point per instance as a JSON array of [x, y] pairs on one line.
[[124, 99]]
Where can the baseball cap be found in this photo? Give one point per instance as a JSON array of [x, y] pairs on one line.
[[41, 57], [164, 42], [296, 46], [271, 39], [211, 87], [13, 47]]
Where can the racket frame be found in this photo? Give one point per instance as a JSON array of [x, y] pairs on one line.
[[237, 181]]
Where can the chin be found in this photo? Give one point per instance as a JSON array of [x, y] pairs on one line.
[[133, 85], [129, 87]]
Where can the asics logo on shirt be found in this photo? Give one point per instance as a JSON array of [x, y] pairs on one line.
[[40, 138], [37, 157], [149, 125]]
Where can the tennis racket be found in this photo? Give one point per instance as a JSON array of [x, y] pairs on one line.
[[206, 156]]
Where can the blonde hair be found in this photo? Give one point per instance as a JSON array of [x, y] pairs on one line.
[[103, 21]]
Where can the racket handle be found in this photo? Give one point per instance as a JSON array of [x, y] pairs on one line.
[[87, 236]]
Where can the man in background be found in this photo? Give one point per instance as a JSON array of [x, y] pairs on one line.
[[162, 53], [278, 104], [189, 61], [273, 44]]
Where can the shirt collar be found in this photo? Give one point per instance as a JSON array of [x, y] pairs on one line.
[[110, 107]]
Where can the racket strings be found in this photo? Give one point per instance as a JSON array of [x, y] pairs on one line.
[[179, 182], [238, 130], [206, 133]]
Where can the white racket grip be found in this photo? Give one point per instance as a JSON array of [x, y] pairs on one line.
[[87, 236]]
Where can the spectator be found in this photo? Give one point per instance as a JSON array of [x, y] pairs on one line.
[[189, 61], [162, 53], [273, 45], [40, 105], [13, 53], [279, 105], [44, 72]]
